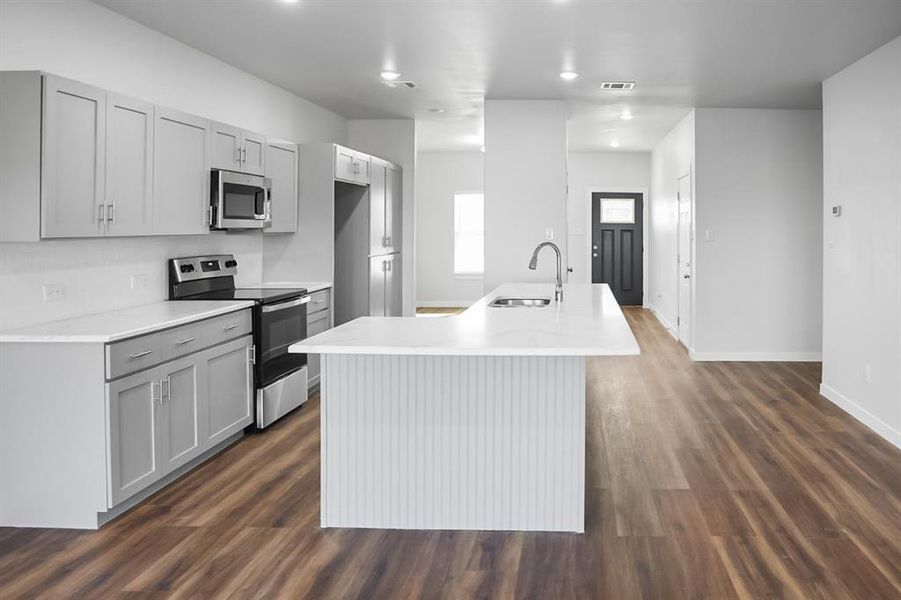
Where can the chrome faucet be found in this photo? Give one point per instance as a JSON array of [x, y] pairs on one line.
[[533, 264]]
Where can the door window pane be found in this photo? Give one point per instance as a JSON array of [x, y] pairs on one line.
[[469, 234], [617, 210]]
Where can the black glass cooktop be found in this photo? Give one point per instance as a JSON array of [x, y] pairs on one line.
[[261, 295]]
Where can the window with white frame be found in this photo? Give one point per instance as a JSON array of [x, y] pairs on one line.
[[469, 233]]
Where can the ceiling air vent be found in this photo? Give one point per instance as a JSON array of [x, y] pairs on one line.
[[399, 84], [618, 85]]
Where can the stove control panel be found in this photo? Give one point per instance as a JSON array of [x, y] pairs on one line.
[[191, 268]]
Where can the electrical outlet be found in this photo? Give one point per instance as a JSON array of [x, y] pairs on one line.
[[139, 281], [549, 234], [54, 292]]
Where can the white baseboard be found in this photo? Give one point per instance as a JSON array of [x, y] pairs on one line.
[[666, 324], [444, 303], [755, 356], [880, 427]]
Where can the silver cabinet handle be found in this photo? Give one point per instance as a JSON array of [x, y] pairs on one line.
[[244, 154], [230, 327], [101, 214], [237, 155], [184, 341], [165, 389], [111, 213], [141, 354], [386, 241], [154, 387]]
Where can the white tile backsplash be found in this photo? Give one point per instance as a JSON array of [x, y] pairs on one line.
[[96, 273]]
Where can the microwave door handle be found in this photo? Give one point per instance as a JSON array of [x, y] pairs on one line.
[[283, 305]]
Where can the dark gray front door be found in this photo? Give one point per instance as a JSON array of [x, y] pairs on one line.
[[616, 244]]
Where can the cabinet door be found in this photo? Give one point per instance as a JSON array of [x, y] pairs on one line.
[[281, 168], [225, 147], [73, 155], [378, 267], [362, 168], [253, 153], [181, 438], [393, 285], [318, 323], [181, 173], [393, 209], [377, 237], [133, 404], [129, 166], [344, 164], [228, 389]]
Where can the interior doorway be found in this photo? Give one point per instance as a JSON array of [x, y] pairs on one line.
[[617, 246], [683, 323]]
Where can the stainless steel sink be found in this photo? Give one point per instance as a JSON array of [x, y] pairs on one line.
[[511, 302]]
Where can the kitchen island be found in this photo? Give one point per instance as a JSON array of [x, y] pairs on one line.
[[473, 421]]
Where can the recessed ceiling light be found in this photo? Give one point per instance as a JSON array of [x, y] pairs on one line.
[[614, 144], [569, 75], [290, 1], [618, 85], [627, 116], [390, 75], [436, 111]]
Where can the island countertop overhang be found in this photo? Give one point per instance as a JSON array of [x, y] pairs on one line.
[[589, 322]]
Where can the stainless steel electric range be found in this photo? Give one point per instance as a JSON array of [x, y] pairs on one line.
[[279, 320]]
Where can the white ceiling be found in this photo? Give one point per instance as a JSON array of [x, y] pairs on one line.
[[724, 53]]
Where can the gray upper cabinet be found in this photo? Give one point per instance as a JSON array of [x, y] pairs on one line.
[[235, 149], [385, 211], [181, 179], [281, 169], [352, 166], [225, 147], [253, 153], [129, 166], [394, 192], [377, 191], [73, 157]]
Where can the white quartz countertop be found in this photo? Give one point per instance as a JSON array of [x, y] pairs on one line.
[[310, 286], [125, 323], [588, 322]]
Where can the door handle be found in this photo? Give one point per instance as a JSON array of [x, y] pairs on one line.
[[111, 213], [154, 387], [230, 327], [165, 390], [244, 154], [140, 354], [237, 155], [184, 341]]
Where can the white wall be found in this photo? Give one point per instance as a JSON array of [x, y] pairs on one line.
[[758, 191], [525, 187], [83, 41], [395, 140], [439, 176], [590, 172], [673, 158], [862, 255]]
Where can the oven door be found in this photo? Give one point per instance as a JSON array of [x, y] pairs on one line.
[[239, 201], [280, 325]]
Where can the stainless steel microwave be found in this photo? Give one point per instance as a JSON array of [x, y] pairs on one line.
[[239, 201]]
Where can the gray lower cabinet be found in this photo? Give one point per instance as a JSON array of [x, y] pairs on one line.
[[133, 403], [319, 319], [385, 292], [162, 418], [228, 384]]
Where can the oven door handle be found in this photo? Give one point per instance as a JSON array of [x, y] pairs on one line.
[[283, 305]]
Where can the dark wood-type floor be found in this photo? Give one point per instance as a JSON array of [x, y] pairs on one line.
[[714, 480]]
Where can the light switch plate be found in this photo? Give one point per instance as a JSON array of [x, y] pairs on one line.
[[709, 235], [139, 281], [54, 292]]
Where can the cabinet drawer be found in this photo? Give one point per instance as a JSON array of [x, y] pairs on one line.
[[182, 341], [227, 327], [129, 356], [319, 301], [318, 324]]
